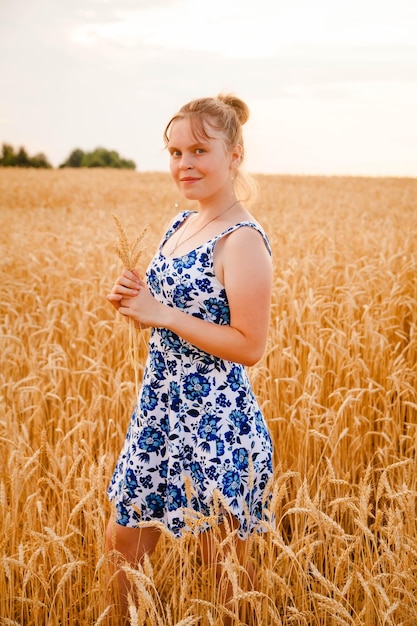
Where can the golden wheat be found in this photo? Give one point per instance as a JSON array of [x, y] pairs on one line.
[[130, 255], [338, 386]]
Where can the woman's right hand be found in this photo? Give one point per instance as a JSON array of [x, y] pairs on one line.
[[126, 286]]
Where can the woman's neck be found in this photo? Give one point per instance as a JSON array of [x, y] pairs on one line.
[[213, 207]]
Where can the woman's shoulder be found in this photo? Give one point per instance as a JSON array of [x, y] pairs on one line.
[[246, 231]]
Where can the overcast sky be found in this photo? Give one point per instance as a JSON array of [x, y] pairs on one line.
[[331, 84]]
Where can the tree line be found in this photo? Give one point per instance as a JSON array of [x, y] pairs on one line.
[[100, 157]]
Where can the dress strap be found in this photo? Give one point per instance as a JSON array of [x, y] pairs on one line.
[[239, 225], [178, 220]]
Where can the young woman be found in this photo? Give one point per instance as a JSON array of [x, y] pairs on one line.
[[197, 436]]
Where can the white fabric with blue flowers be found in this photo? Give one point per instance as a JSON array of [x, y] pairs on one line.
[[196, 428]]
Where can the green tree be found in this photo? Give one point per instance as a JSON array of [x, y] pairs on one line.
[[128, 164], [40, 161], [21, 158], [100, 157], [8, 157], [74, 159]]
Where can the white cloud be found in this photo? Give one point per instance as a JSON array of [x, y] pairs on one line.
[[255, 30]]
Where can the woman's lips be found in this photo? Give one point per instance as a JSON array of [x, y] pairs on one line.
[[189, 179]]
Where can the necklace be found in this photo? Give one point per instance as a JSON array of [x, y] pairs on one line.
[[180, 238]]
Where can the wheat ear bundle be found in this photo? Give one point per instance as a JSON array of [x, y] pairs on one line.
[[130, 255]]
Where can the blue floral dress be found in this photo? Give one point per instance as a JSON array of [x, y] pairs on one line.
[[196, 429]]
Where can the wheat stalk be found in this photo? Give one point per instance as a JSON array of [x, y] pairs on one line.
[[130, 255]]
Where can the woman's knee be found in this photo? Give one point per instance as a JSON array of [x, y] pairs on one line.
[[131, 543]]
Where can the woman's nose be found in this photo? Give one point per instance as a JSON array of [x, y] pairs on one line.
[[185, 163]]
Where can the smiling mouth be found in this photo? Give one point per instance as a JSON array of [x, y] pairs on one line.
[[189, 179]]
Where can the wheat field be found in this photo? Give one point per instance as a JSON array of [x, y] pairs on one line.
[[338, 387]]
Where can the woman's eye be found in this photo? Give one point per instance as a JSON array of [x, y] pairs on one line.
[[200, 150]]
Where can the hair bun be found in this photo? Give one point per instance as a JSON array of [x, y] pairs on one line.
[[241, 108]]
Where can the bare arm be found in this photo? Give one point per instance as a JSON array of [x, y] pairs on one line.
[[247, 276]]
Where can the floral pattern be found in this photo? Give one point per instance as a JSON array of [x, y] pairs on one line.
[[196, 428]]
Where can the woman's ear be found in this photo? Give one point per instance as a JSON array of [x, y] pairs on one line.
[[237, 155]]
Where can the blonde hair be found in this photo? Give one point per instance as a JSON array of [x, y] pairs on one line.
[[226, 114]]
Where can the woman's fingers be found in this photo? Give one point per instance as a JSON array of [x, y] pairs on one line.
[[124, 290], [126, 286], [114, 297], [131, 276]]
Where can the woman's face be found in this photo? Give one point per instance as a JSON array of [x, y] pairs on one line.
[[201, 168]]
